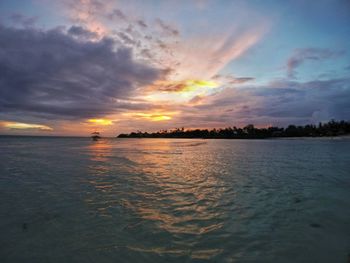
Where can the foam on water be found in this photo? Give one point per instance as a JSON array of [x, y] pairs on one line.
[[171, 200]]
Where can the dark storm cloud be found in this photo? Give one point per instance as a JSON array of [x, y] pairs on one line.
[[52, 73], [303, 54]]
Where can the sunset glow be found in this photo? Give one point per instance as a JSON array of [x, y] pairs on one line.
[[174, 131], [113, 65], [154, 116], [25, 126], [104, 122], [182, 86]]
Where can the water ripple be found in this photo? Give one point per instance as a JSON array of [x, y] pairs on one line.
[[175, 200]]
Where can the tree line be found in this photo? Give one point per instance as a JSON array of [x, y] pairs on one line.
[[331, 128]]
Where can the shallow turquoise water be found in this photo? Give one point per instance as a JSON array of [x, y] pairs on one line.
[[172, 200]]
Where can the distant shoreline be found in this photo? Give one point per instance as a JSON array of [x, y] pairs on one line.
[[266, 138], [330, 129], [339, 137]]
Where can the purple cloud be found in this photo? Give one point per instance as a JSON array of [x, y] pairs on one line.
[[52, 73], [81, 32], [281, 103], [303, 54], [23, 20]]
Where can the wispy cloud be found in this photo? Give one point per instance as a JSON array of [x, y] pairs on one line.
[[229, 79], [88, 13], [166, 28], [117, 14], [304, 54], [200, 56], [203, 57]]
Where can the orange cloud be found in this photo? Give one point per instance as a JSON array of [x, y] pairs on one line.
[[104, 122], [24, 126], [182, 86], [152, 116]]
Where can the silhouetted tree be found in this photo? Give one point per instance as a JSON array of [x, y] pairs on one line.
[[332, 128]]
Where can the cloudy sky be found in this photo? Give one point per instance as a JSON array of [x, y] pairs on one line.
[[70, 67]]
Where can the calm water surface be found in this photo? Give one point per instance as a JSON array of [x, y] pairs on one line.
[[172, 200]]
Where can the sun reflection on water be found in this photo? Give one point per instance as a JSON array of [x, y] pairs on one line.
[[166, 188]]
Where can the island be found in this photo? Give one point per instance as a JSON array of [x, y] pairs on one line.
[[329, 129]]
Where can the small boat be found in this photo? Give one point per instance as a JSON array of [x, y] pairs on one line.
[[95, 136]]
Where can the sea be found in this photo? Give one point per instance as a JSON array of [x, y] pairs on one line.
[[174, 200]]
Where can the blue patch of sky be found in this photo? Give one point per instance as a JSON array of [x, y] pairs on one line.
[[298, 24], [48, 16]]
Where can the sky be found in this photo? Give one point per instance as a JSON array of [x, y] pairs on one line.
[[72, 67]]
